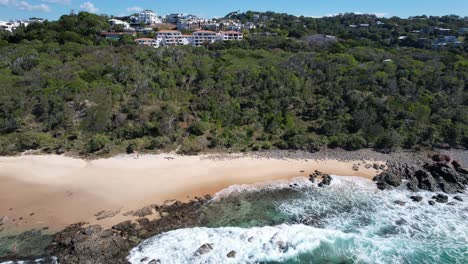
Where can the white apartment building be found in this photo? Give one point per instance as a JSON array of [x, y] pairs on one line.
[[198, 38], [13, 25], [115, 22], [204, 36], [231, 35], [148, 17], [147, 42], [169, 37], [186, 40]]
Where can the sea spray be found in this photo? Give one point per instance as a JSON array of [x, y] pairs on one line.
[[349, 221]]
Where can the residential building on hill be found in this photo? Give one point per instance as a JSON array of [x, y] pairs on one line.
[[114, 22], [204, 36], [147, 42], [148, 17], [231, 35], [169, 37]]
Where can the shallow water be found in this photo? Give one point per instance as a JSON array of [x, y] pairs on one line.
[[298, 222]]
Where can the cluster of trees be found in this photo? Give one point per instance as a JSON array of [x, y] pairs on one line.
[[381, 32], [85, 95]]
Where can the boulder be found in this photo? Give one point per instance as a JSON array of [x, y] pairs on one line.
[[416, 198], [203, 249], [401, 221], [431, 202], [401, 203], [231, 254], [458, 198], [440, 198], [441, 157]]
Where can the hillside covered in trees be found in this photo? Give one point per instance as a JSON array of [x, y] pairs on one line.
[[64, 89]]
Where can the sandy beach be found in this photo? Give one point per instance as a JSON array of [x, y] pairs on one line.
[[56, 191]]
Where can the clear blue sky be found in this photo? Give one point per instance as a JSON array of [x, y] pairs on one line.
[[52, 9]]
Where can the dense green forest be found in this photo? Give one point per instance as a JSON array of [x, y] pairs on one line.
[[64, 89]]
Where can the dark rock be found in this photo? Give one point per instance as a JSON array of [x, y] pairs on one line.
[[381, 185], [231, 254], [375, 166], [440, 198], [382, 167], [426, 181], [355, 167], [389, 178], [432, 202], [451, 203], [401, 221], [203, 249], [326, 180], [441, 158], [92, 230], [416, 198], [282, 246], [145, 211], [401, 203], [368, 166], [143, 221], [154, 261], [106, 214], [458, 198]]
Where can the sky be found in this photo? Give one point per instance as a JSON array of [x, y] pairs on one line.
[[53, 9]]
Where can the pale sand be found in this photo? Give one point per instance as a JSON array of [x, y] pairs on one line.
[[61, 190]]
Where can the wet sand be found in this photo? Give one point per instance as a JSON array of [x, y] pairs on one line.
[[56, 191]]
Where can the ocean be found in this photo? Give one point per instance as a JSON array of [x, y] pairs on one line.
[[350, 221]]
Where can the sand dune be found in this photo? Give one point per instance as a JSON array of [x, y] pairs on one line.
[[56, 191]]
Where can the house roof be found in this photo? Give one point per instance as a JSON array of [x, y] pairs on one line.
[[204, 31], [231, 32], [168, 31], [117, 33]]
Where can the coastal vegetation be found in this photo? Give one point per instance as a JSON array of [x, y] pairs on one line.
[[65, 89]]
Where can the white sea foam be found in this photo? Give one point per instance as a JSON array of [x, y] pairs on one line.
[[251, 245], [297, 182], [358, 223]]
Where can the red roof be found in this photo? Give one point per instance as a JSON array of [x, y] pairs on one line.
[[168, 31], [231, 32], [204, 31], [117, 33]]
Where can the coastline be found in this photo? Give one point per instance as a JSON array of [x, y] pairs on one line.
[[55, 191]]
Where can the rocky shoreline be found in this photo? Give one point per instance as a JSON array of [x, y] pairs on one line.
[[81, 243], [436, 173]]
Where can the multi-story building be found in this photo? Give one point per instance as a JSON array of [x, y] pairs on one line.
[[175, 38], [174, 18], [114, 22], [169, 37], [204, 36], [148, 42], [231, 35], [148, 17]]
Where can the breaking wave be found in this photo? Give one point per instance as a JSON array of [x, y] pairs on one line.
[[350, 221]]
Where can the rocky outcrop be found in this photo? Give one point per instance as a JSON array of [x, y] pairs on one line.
[[203, 249], [325, 178], [81, 244], [438, 173]]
